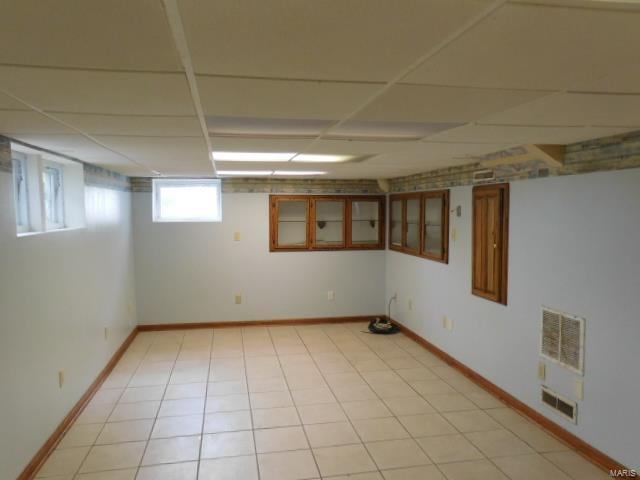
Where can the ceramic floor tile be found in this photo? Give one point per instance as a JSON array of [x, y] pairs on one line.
[[576, 466], [113, 457], [275, 417], [313, 396], [293, 465], [107, 395], [409, 405], [270, 399], [231, 387], [450, 402], [227, 421], [322, 413], [134, 411], [127, 431], [375, 429], [171, 450], [81, 435], [449, 448], [473, 470], [227, 403], [393, 390], [359, 476], [472, 421], [530, 467], [173, 471], [415, 374], [229, 468], [142, 394], [431, 387], [126, 474], [331, 434], [343, 460], [498, 443], [227, 444], [186, 390], [177, 426], [397, 454], [63, 462], [95, 414], [484, 400], [280, 439], [366, 409], [537, 438], [184, 406], [424, 472], [427, 425], [354, 393]]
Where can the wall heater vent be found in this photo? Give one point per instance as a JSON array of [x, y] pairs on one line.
[[564, 407], [562, 339], [483, 176]]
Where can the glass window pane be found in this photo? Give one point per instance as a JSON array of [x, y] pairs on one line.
[[20, 194], [396, 222], [329, 222], [292, 223], [433, 226], [364, 222], [52, 179], [413, 223], [187, 201]]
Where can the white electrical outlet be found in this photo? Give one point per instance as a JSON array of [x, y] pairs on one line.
[[542, 371], [236, 236], [106, 333], [454, 234], [444, 321], [580, 389], [331, 295], [61, 378], [449, 324], [410, 303], [238, 299]]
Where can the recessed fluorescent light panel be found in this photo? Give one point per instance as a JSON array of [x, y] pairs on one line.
[[319, 158], [253, 156], [297, 173], [246, 173]]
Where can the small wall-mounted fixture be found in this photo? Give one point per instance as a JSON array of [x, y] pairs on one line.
[[458, 211]]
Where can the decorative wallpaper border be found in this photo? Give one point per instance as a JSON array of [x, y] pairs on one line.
[[281, 185], [617, 152]]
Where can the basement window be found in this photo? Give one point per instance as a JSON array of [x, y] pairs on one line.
[[21, 195], [187, 200], [53, 196]]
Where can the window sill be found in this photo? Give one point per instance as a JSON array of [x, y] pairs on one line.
[[33, 234]]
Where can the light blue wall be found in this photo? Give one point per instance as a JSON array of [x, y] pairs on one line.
[[574, 246]]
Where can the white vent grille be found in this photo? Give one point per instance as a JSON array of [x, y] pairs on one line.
[[482, 176], [564, 407], [562, 339]]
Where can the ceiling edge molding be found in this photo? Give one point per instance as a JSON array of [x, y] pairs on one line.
[[616, 152]]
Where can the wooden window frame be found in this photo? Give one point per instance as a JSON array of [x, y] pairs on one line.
[[422, 198], [312, 200], [501, 242]]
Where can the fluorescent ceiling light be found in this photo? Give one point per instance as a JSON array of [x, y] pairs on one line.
[[246, 173], [320, 158], [253, 156], [297, 172]]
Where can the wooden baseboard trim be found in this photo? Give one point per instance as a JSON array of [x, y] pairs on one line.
[[254, 323], [31, 470], [592, 454]]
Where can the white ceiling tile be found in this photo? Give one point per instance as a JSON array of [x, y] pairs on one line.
[[537, 47], [159, 126], [342, 40], [262, 98], [422, 103], [523, 134], [165, 154], [234, 144], [356, 147], [574, 109], [116, 34], [29, 122], [82, 91]]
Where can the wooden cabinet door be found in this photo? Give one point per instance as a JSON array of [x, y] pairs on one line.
[[490, 242]]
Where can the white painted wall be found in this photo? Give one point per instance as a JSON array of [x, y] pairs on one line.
[[574, 246], [58, 291], [190, 272]]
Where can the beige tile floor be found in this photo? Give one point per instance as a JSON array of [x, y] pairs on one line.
[[293, 403]]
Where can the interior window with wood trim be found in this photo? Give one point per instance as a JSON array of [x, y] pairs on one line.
[[490, 242], [419, 224], [326, 222]]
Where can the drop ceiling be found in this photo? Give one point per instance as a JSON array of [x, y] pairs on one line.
[[406, 86]]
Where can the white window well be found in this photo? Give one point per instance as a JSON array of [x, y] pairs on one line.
[[187, 200]]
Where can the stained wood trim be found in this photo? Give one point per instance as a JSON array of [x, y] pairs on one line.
[[31, 470], [255, 323], [421, 197], [591, 453], [274, 201]]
